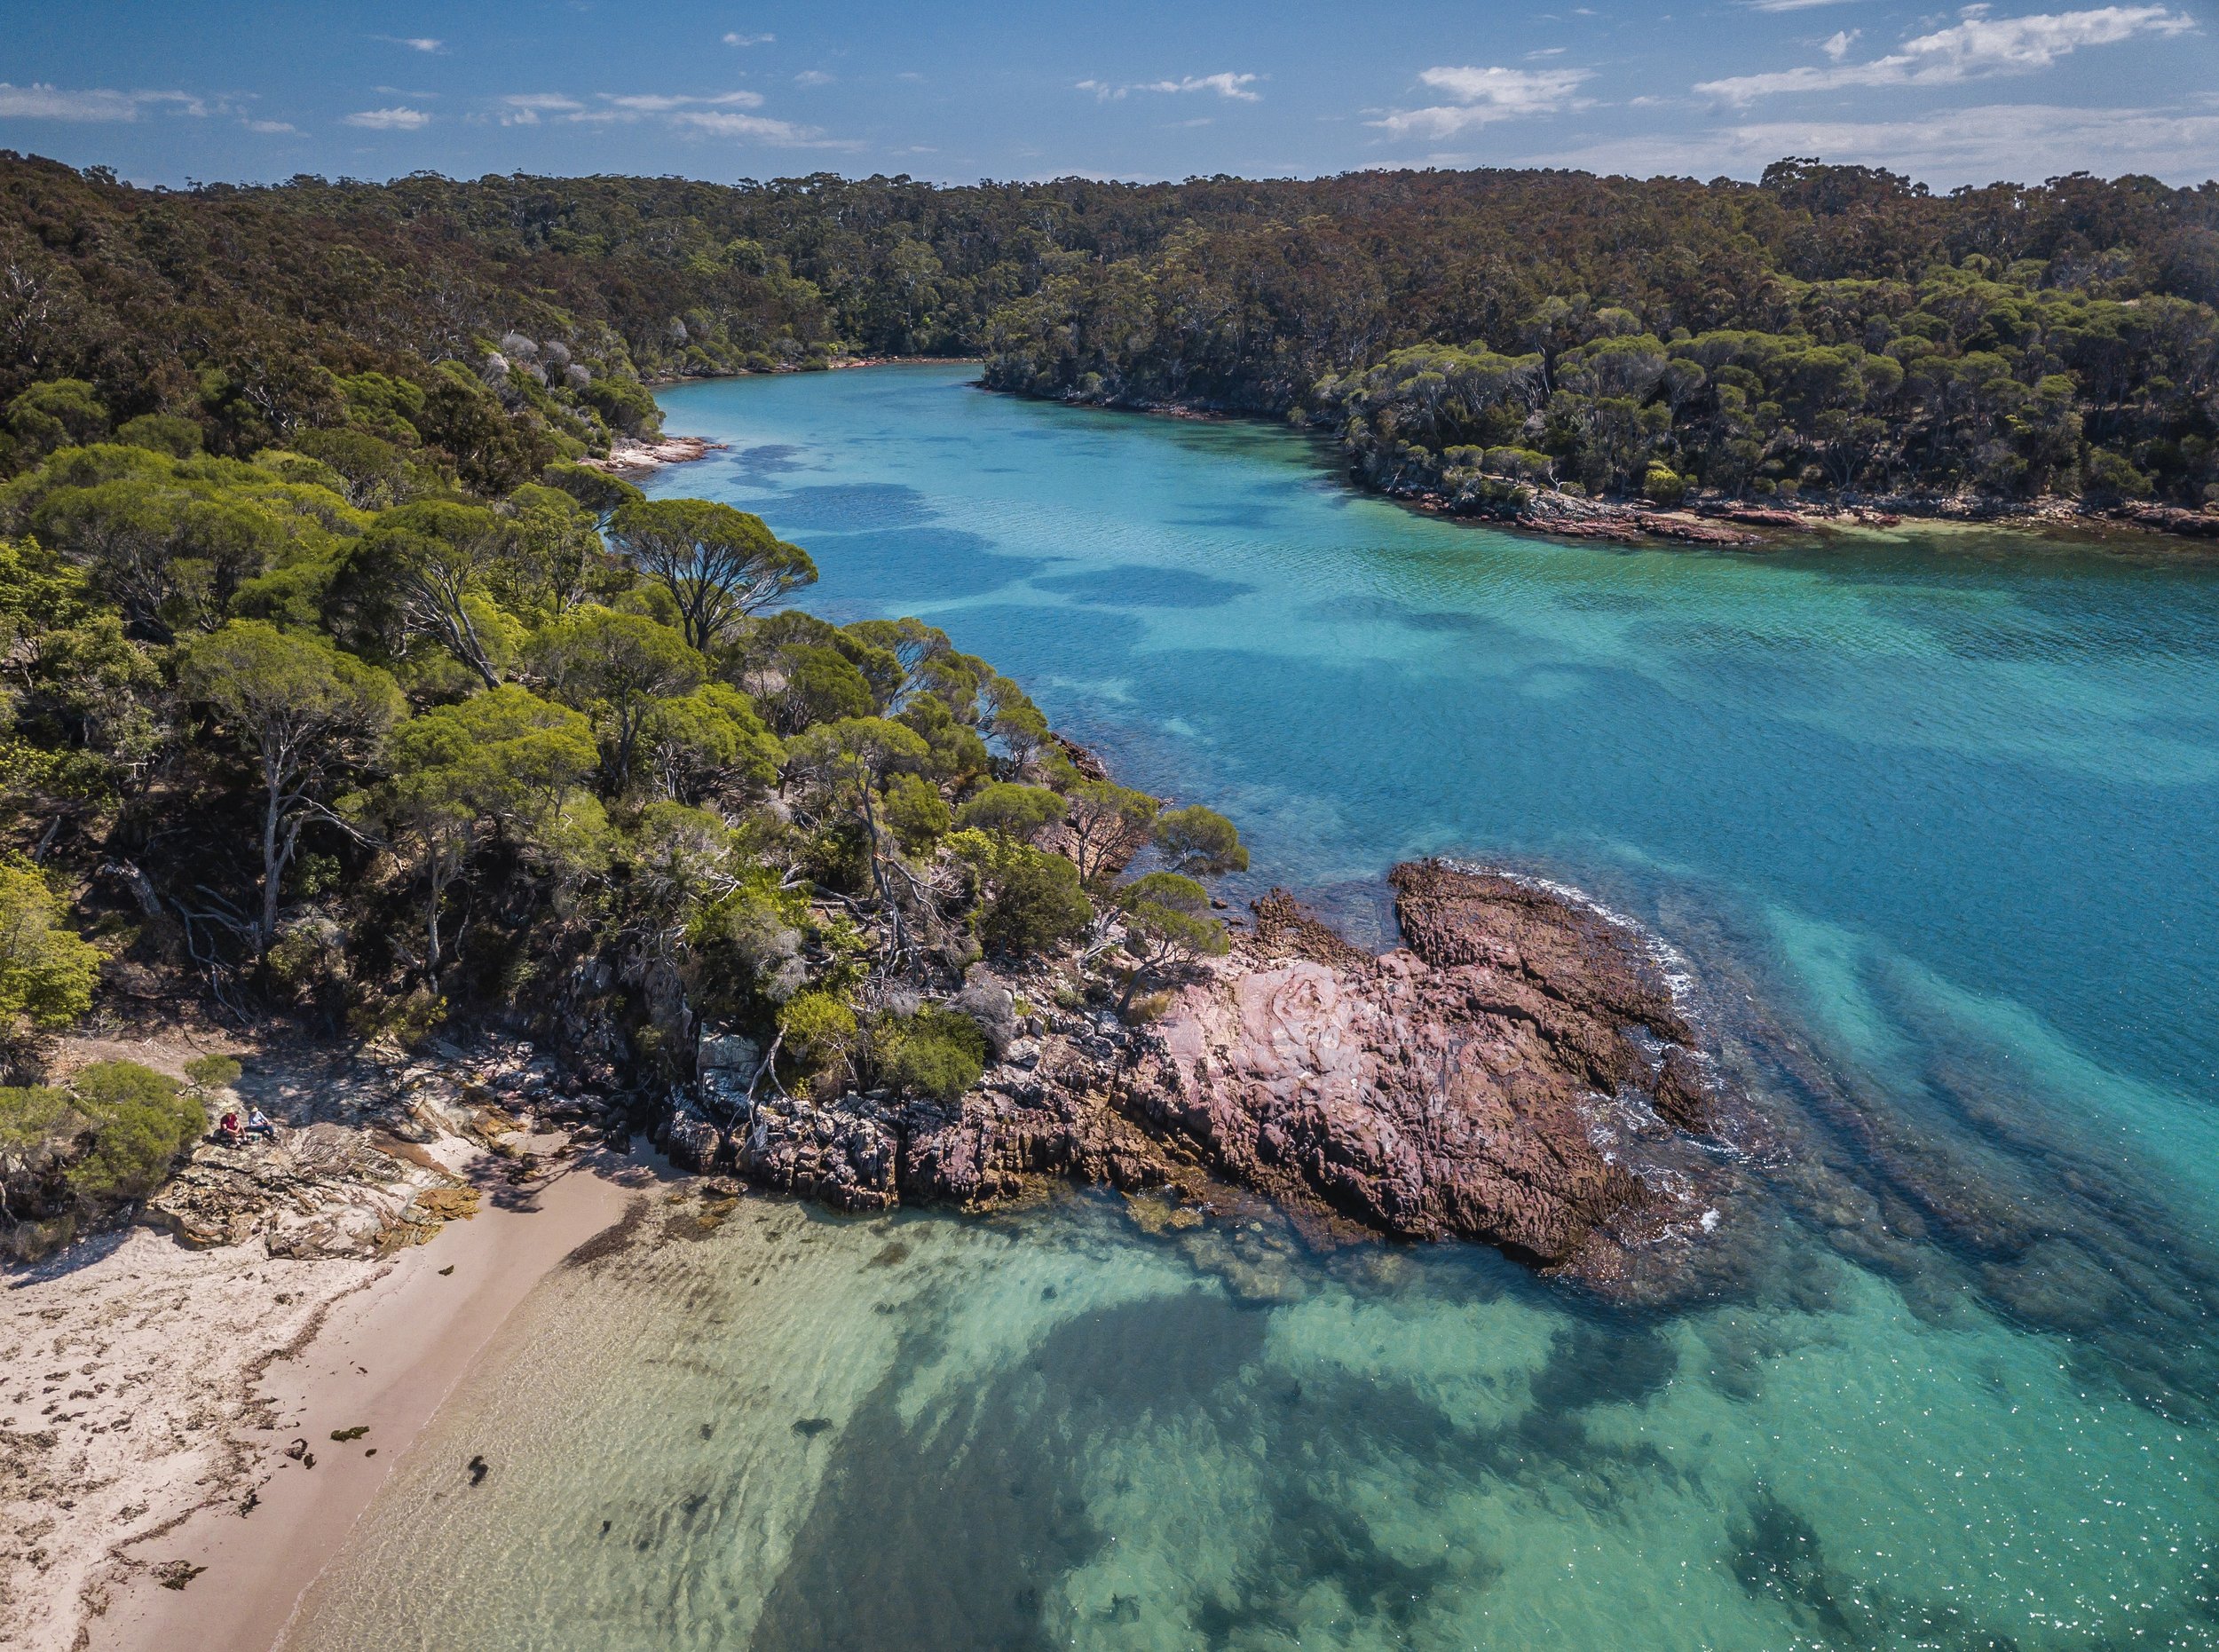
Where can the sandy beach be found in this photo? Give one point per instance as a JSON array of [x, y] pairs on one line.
[[383, 1353], [168, 1475]]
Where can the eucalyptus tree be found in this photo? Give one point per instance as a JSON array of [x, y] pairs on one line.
[[424, 570], [1167, 922], [1110, 823], [506, 764], [617, 666], [310, 717], [719, 564]]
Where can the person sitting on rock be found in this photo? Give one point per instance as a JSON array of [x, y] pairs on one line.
[[227, 1127], [259, 1125]]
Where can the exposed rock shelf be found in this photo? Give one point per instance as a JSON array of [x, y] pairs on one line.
[[1516, 1073]]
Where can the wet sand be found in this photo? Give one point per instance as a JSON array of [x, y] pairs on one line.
[[384, 1358]]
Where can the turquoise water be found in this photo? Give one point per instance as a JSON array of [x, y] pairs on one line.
[[1928, 812]]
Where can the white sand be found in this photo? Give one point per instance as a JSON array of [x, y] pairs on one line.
[[172, 1381]]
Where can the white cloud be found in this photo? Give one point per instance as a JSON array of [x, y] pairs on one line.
[[393, 120], [736, 39], [415, 42], [525, 109], [2022, 142], [1483, 95], [43, 102], [270, 126], [1977, 47], [1837, 47], [1790, 5], [1225, 83], [812, 77], [724, 124], [663, 103], [720, 115]]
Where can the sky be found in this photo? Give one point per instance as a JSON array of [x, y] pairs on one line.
[[963, 89]]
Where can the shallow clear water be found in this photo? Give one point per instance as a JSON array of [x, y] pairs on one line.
[[1930, 811]]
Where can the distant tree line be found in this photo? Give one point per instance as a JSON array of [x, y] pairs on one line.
[[1828, 327]]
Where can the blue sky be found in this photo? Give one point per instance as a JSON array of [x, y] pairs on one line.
[[959, 92]]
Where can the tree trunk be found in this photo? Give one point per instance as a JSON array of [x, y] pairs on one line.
[[273, 866]]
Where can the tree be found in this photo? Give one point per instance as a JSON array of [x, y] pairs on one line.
[[505, 764], [308, 714], [708, 741], [47, 974], [617, 666], [554, 561], [600, 495], [1033, 900], [849, 761], [719, 564], [1199, 842], [1167, 922], [1109, 824], [821, 686], [144, 1119], [429, 563], [1020, 813]]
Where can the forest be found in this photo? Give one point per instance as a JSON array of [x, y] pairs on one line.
[[1827, 329], [342, 684]]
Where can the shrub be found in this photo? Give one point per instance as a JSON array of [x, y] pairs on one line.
[[1036, 901], [940, 1053], [819, 1028], [144, 1120], [1663, 485], [213, 1073], [1011, 811], [917, 815]]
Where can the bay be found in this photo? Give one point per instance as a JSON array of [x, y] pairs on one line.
[[1936, 803]]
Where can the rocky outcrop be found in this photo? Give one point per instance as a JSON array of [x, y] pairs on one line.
[[1517, 1073], [630, 459], [323, 1190], [2173, 519], [1460, 1086]]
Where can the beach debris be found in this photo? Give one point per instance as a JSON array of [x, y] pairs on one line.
[[355, 1433], [478, 1469], [444, 1271], [177, 1574]]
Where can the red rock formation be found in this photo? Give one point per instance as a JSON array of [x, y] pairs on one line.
[[1517, 1074]]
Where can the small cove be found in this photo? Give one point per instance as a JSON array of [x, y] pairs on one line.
[[1939, 803]]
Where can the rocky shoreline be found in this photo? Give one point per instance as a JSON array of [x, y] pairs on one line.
[[1516, 1073], [632, 460], [1722, 521]]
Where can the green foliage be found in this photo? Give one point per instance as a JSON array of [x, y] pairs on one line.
[[213, 1073], [1109, 824], [618, 667], [822, 685], [1167, 923], [708, 742], [47, 973], [935, 1052], [1019, 813], [916, 813], [1032, 899], [819, 1028], [1200, 842], [143, 1119], [718, 565]]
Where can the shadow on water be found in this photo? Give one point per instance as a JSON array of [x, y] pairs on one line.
[[948, 1533], [1139, 585]]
